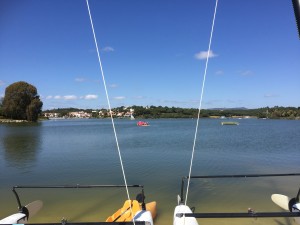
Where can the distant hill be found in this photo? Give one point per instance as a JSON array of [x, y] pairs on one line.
[[167, 112], [238, 108]]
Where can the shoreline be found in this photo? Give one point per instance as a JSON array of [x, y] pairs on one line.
[[223, 119], [12, 121]]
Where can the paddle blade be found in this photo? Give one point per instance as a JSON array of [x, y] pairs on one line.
[[281, 200], [34, 207]]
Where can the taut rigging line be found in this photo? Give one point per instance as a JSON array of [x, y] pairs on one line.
[[108, 102]]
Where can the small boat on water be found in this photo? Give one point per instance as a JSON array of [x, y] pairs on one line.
[[132, 117], [142, 124], [230, 123]]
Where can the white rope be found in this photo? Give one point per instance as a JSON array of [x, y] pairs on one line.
[[109, 106], [200, 102]]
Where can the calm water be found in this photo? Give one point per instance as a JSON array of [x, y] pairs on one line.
[[84, 152]]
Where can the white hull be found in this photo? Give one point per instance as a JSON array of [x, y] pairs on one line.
[[183, 220], [17, 218], [144, 216]]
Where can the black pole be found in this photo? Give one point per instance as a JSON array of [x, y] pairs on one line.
[[143, 203], [181, 192], [71, 186], [247, 175], [240, 215], [95, 223], [296, 6], [78, 186], [17, 197]]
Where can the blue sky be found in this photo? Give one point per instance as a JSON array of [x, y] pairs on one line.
[[152, 52]]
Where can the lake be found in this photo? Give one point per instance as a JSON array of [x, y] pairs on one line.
[[83, 151]]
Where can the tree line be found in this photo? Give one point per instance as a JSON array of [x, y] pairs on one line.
[[155, 112]]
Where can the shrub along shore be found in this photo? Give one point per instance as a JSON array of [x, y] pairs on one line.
[[12, 121], [157, 112]]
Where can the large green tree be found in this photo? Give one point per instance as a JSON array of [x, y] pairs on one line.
[[21, 102]]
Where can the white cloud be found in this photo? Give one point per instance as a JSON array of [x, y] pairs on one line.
[[119, 98], [203, 55], [88, 97], [246, 73], [219, 72], [139, 97], [1, 83], [97, 81], [113, 85], [80, 79], [108, 49], [271, 96], [70, 97]]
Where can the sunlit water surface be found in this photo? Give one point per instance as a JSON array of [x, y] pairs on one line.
[[59, 152]]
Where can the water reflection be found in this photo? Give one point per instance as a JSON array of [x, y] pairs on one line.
[[21, 145]]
